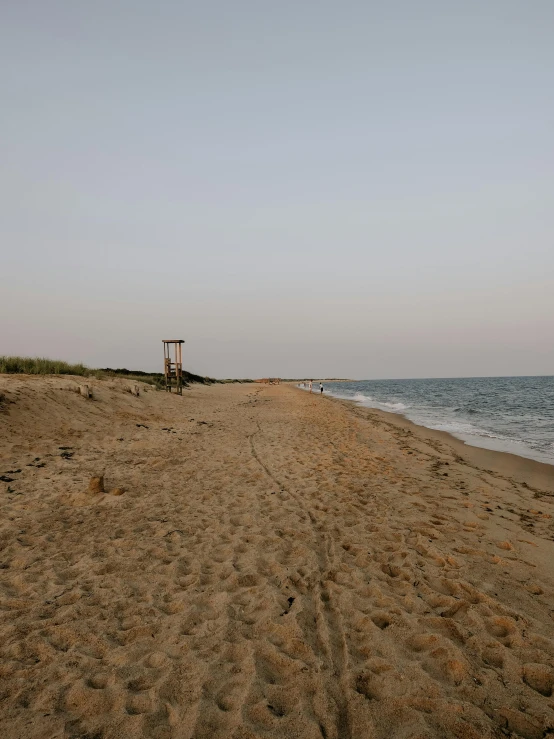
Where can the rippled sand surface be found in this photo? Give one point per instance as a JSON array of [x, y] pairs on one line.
[[279, 565]]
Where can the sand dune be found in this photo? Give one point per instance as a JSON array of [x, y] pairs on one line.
[[279, 565]]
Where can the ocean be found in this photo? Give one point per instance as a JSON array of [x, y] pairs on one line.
[[509, 414]]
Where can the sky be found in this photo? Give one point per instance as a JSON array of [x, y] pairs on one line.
[[296, 189]]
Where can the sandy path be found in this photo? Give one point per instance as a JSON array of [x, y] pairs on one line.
[[281, 565]]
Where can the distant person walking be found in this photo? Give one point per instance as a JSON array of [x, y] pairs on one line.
[[310, 385], [321, 388]]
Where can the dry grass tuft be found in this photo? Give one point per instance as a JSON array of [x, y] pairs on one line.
[[41, 366]]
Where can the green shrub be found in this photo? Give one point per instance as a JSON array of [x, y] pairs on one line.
[[43, 366], [157, 378]]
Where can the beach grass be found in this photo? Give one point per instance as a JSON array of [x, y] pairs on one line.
[[44, 366], [41, 366]]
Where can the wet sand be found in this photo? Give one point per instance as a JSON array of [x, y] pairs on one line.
[[280, 565]]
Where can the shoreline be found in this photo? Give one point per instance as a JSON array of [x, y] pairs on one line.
[[526, 470], [467, 440], [500, 424]]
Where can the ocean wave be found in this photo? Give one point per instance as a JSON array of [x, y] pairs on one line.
[[455, 427], [395, 406], [382, 404]]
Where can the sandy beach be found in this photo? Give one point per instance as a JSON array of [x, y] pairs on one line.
[[265, 563]]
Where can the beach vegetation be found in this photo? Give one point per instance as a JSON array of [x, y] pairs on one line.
[[44, 366], [156, 378], [41, 366]]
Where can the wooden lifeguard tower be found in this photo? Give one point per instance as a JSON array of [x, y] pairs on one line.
[[173, 370]]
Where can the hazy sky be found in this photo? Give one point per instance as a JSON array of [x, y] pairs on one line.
[[360, 189]]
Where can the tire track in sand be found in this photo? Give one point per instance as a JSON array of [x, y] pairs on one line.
[[326, 616]]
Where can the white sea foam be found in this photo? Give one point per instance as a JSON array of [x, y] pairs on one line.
[[452, 427], [367, 400], [396, 407]]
